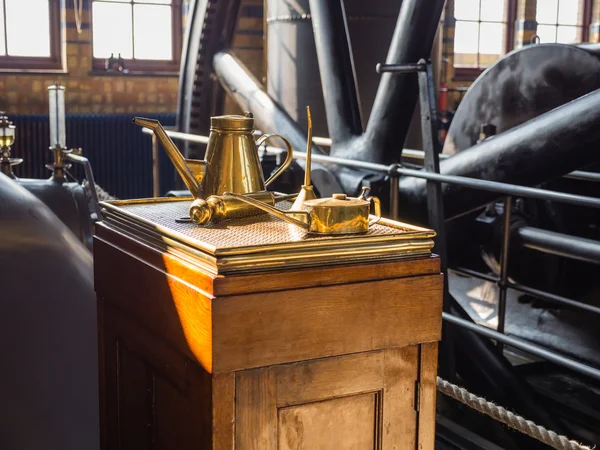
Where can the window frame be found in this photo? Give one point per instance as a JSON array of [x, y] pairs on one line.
[[586, 17], [510, 15], [145, 66], [54, 62]]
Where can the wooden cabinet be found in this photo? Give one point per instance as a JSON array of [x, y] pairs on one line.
[[338, 357]]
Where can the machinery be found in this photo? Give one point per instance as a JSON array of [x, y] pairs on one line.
[[74, 203], [543, 102], [539, 107]]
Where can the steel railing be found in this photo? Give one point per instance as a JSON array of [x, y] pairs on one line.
[[394, 171]]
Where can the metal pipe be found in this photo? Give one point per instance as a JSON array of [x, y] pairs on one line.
[[525, 346], [584, 175], [155, 166], [491, 186], [548, 146], [89, 174], [394, 206], [503, 281], [400, 68], [336, 66], [417, 25], [573, 247], [531, 291], [248, 92]]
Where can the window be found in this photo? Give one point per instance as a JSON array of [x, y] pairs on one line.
[[561, 20], [30, 41], [480, 33], [146, 33]]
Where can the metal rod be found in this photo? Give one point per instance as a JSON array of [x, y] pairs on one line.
[[525, 346], [475, 274], [584, 175], [394, 206], [400, 68], [492, 186], [155, 167], [502, 283], [89, 174], [547, 146], [531, 291], [572, 247]]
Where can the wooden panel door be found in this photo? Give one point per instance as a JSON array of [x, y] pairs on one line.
[[364, 401]]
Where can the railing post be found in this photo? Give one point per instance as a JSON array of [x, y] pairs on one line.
[[503, 281], [394, 197], [155, 168]]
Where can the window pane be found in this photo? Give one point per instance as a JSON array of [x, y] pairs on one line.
[[547, 11], [2, 41], [568, 12], [466, 9], [164, 2], [153, 32], [492, 10], [568, 35], [112, 30], [465, 37], [490, 43], [547, 33], [19, 25], [122, 1]]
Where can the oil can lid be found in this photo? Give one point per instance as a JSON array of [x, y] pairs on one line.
[[233, 122]]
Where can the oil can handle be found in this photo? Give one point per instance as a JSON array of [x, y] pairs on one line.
[[288, 159], [377, 214]]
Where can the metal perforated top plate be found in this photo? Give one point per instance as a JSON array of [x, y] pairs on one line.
[[258, 231]]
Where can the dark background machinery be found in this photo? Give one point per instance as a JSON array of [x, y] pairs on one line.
[[542, 100]]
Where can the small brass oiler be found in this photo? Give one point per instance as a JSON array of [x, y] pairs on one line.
[[338, 214], [7, 138]]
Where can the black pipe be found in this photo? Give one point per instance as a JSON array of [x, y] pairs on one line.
[[336, 66], [549, 146], [249, 93], [572, 247], [388, 125]]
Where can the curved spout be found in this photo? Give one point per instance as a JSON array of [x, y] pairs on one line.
[[287, 216], [190, 178]]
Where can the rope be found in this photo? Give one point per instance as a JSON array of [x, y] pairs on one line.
[[508, 418]]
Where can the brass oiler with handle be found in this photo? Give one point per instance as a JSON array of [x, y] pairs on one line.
[[338, 214], [231, 163]]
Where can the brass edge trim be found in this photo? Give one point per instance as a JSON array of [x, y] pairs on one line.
[[334, 241], [278, 261], [143, 201]]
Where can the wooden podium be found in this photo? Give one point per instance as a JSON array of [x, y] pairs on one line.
[[199, 350]]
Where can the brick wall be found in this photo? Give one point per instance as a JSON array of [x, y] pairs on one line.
[[89, 92]]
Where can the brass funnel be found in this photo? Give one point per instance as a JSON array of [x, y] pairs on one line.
[[306, 192], [191, 171]]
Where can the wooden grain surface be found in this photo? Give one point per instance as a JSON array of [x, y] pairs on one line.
[[258, 330], [256, 410], [399, 414], [349, 423], [223, 401], [309, 405], [175, 310], [428, 376]]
